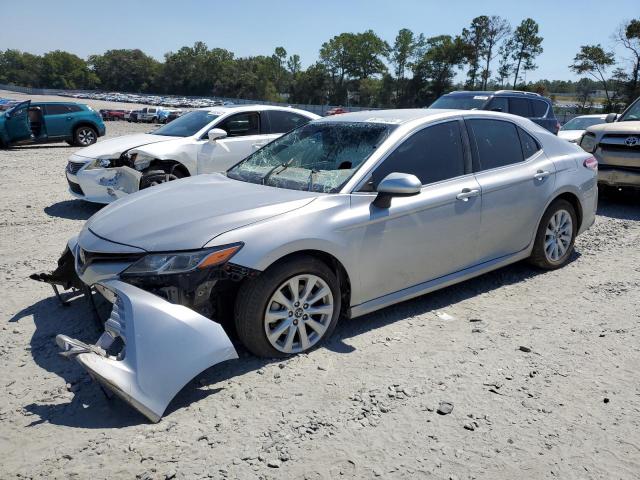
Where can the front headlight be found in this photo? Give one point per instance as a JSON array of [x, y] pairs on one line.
[[99, 163], [140, 160], [588, 142], [182, 262]]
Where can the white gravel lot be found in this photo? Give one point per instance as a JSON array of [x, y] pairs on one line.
[[362, 406]]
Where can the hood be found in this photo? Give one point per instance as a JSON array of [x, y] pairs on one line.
[[570, 135], [616, 127], [188, 213], [113, 147]]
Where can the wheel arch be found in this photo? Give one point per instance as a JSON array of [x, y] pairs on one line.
[[333, 263], [173, 164], [565, 194]]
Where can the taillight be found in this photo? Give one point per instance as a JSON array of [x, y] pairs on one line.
[[591, 163]]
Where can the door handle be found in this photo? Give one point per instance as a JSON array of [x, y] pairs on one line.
[[541, 174], [69, 118], [467, 193]]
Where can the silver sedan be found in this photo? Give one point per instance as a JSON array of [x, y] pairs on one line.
[[340, 217]]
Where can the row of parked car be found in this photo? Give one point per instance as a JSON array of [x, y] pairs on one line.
[[304, 220], [145, 115], [164, 101]]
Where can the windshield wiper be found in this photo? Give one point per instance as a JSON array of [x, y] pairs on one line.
[[311, 174], [283, 166]]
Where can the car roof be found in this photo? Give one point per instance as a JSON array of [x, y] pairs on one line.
[[405, 115], [223, 109], [499, 93], [593, 115]]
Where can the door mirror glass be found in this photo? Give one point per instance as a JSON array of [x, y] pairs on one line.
[[396, 185], [216, 133], [611, 118]]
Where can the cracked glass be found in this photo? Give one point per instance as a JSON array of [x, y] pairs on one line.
[[318, 157]]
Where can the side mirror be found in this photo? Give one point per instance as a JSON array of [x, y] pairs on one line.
[[611, 118], [216, 133], [396, 185]]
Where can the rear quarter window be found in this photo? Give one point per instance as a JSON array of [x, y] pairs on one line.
[[530, 145], [539, 108], [519, 106]]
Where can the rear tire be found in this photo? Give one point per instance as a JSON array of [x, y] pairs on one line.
[[304, 318], [84, 136], [555, 237]]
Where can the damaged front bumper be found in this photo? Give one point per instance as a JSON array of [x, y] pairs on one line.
[[150, 348], [104, 185]]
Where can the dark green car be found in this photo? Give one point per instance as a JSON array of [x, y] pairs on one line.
[[48, 122]]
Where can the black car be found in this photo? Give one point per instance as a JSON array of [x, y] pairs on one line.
[[531, 105]]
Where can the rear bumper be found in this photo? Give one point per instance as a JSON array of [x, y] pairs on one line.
[[165, 346], [618, 177]]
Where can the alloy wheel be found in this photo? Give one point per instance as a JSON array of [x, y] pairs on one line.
[[298, 313], [558, 236], [86, 136]]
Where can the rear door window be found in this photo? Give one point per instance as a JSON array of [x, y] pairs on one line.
[[242, 124], [432, 154], [519, 106], [56, 109], [282, 122], [539, 108], [496, 142]]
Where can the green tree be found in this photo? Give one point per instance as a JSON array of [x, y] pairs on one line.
[[20, 68], [628, 35], [496, 30], [474, 39], [526, 45], [434, 72], [594, 60], [125, 70], [404, 51]]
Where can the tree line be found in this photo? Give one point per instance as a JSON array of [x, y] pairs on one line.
[[352, 68]]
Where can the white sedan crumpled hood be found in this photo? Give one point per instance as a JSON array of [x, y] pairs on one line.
[[186, 214], [113, 147]]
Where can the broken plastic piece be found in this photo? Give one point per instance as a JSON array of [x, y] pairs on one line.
[[165, 346]]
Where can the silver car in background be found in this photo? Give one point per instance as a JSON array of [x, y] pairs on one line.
[[340, 217]]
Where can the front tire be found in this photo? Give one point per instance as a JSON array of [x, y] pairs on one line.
[[555, 237], [290, 308], [84, 136]]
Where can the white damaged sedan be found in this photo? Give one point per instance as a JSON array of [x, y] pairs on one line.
[[207, 140]]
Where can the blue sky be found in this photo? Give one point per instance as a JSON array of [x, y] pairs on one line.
[[254, 27]]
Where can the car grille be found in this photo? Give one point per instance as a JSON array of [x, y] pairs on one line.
[[621, 142], [75, 188], [86, 258], [74, 167]]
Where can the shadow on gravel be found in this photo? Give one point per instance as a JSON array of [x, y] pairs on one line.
[[89, 408], [72, 209], [623, 205], [40, 147]]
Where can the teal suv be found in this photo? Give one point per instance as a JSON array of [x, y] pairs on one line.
[[47, 122]]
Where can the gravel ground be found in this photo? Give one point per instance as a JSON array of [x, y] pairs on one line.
[[541, 369]]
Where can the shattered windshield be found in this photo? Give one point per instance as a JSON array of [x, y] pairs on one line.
[[318, 157], [632, 114], [188, 124]]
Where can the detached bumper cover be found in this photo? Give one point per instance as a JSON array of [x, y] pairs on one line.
[[619, 176], [165, 346], [104, 185]]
